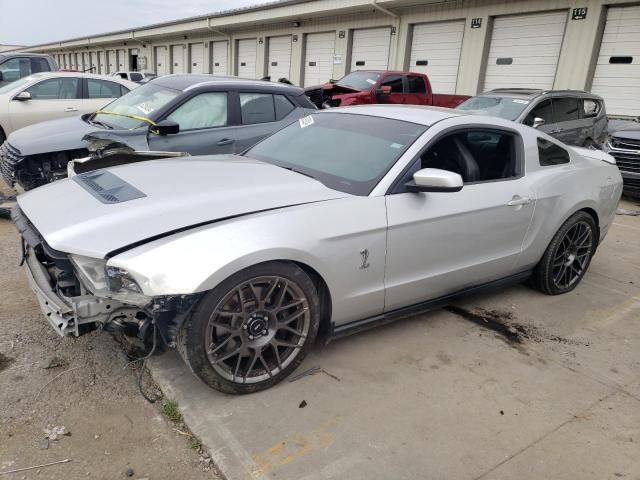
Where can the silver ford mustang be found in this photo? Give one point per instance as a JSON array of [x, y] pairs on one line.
[[344, 219]]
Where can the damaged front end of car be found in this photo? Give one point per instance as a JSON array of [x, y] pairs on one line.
[[79, 294], [109, 150]]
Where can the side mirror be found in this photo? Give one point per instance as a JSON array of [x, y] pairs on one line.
[[23, 96], [538, 122], [384, 90], [165, 127], [435, 180]]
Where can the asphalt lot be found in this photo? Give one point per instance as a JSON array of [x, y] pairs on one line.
[[513, 384]]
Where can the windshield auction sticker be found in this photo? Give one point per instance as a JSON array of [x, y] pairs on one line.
[[517, 100], [306, 121], [145, 108]]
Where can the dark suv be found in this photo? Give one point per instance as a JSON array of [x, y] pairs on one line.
[[624, 145], [572, 116], [14, 66]]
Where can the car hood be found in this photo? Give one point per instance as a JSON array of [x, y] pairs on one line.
[[173, 195], [52, 136], [630, 132]]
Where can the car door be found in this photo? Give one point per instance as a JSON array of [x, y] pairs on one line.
[[50, 99], [262, 114], [568, 124], [205, 126], [439, 243], [99, 93], [397, 95], [541, 109]]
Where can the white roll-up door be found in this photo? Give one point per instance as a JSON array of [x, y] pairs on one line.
[[100, 60], [177, 58], [318, 58], [370, 49], [162, 61], [279, 62], [435, 51], [524, 50], [196, 58], [247, 53], [219, 58], [84, 64], [617, 74], [123, 61]]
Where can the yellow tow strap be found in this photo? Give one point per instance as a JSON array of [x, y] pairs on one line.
[[135, 117]]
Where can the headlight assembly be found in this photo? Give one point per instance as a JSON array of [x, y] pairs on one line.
[[120, 281], [91, 273]]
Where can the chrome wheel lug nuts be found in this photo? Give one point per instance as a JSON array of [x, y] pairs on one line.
[[250, 337]]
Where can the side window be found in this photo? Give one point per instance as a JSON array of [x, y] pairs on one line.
[[102, 89], [542, 110], [257, 108], [476, 155], [39, 65], [15, 68], [55, 89], [417, 85], [590, 108], [551, 154], [123, 75], [136, 77], [124, 90], [565, 109], [395, 82], [206, 110], [283, 106]]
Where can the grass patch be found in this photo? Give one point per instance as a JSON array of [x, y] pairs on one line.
[[171, 411], [195, 443]]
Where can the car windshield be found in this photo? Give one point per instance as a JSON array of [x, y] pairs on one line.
[[359, 80], [508, 108], [15, 84], [346, 152], [131, 110]]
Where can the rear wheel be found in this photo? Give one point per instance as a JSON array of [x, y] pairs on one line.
[[568, 256], [3, 137], [252, 330]]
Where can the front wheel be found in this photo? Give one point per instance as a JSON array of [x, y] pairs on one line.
[[568, 256], [252, 330]]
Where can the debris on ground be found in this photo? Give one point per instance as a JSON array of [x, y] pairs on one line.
[[303, 404], [55, 432], [624, 211], [55, 362], [5, 362], [66, 460], [130, 472]]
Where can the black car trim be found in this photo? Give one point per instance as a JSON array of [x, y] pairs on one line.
[[422, 307]]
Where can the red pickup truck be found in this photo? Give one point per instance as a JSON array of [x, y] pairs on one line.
[[365, 87]]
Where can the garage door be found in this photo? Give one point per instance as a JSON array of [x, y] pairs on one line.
[[162, 62], [279, 62], [524, 51], [370, 49], [219, 58], [100, 60], [123, 63], [247, 53], [196, 58], [318, 58], [617, 75], [112, 63], [435, 50], [84, 65], [177, 59]]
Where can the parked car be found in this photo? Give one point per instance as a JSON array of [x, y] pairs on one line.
[[624, 145], [572, 116], [46, 96], [365, 87], [345, 219], [139, 77], [14, 66], [196, 114]]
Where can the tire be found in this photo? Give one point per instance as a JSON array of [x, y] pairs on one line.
[[567, 257], [253, 329], [3, 137]]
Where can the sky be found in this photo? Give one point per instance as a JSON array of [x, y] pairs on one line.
[[32, 22]]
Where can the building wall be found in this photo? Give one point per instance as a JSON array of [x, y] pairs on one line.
[[575, 69]]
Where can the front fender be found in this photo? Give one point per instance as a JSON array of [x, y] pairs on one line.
[[327, 236]]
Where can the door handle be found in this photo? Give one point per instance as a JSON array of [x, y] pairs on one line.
[[225, 141], [557, 130], [71, 109], [517, 201]]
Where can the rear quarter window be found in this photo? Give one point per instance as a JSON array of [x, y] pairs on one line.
[[551, 154]]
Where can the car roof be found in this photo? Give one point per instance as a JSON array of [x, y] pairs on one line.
[[44, 75], [186, 82], [426, 116], [535, 92], [18, 54]]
